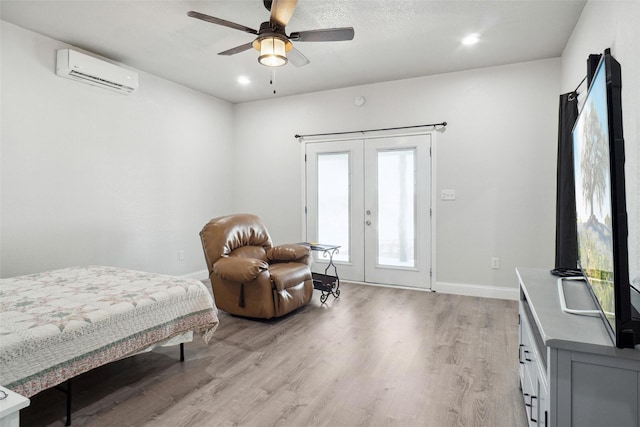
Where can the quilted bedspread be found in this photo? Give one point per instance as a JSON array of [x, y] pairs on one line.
[[58, 324]]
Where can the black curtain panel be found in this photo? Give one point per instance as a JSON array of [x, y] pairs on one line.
[[566, 234]]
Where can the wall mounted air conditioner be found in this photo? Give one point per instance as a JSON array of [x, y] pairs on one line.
[[87, 69]]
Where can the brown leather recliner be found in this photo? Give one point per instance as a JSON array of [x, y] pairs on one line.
[[251, 277]]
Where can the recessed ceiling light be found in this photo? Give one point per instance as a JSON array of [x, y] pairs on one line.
[[471, 39], [244, 80]]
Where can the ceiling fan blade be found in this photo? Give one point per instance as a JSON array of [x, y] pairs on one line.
[[222, 22], [282, 11], [326, 35], [237, 49], [297, 58]]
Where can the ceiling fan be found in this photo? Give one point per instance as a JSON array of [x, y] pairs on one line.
[[273, 43]]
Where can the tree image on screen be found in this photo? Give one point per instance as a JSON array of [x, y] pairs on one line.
[[594, 163], [595, 242]]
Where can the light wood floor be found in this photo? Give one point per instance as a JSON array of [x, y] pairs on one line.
[[373, 357]]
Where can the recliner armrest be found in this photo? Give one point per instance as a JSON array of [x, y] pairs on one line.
[[239, 269], [290, 252]]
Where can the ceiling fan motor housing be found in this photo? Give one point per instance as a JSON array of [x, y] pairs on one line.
[[270, 30]]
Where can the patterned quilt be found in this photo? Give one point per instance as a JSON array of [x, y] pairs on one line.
[[58, 324]]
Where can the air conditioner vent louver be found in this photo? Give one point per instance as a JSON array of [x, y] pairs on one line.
[[100, 81], [96, 72]]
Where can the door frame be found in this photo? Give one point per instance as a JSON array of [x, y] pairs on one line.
[[371, 135]]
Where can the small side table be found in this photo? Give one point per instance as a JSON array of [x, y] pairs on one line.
[[327, 283], [10, 407]]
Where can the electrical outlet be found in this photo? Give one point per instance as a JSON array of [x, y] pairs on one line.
[[495, 263], [181, 255], [448, 195]]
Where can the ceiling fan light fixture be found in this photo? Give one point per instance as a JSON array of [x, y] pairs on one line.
[[273, 52]]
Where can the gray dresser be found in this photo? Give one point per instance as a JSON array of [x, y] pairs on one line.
[[571, 373]]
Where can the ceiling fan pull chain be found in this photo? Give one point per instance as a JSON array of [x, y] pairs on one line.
[[272, 82]]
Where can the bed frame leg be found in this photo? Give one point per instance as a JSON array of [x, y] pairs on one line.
[[68, 423], [182, 352], [67, 391]]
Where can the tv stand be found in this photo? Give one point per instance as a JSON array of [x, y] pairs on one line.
[[571, 373]]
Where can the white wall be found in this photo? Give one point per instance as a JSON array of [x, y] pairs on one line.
[[614, 24], [498, 152], [89, 176], [94, 177]]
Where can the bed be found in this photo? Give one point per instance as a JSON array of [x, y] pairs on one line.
[[58, 324]]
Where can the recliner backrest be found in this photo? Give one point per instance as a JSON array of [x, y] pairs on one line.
[[235, 235]]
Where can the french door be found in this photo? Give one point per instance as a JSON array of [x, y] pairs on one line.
[[373, 198]]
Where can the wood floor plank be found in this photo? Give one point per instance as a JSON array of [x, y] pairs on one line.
[[374, 357]]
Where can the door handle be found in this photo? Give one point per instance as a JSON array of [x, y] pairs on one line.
[[368, 222]]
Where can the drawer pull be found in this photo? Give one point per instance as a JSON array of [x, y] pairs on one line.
[[520, 354], [531, 416]]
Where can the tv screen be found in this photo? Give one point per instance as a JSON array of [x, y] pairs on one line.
[[598, 150]]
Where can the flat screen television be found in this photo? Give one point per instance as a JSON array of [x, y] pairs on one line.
[[598, 155]]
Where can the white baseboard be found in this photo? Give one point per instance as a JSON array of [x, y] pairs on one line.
[[199, 275], [483, 291]]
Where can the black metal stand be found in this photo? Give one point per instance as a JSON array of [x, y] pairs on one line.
[[326, 283]]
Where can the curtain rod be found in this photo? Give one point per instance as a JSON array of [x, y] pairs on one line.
[[443, 124]]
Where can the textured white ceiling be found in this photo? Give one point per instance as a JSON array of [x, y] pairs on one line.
[[394, 39]]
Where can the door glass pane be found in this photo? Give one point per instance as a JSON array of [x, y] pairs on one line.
[[333, 202], [396, 208]]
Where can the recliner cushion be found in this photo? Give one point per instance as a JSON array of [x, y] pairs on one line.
[[256, 252], [239, 269], [287, 252], [288, 274]]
